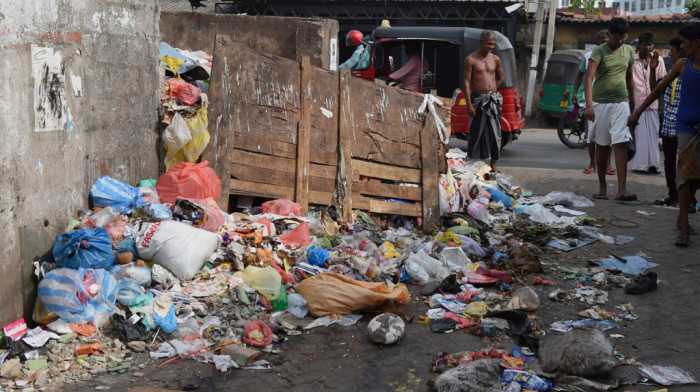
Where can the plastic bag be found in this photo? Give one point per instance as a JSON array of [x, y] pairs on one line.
[[296, 305], [193, 149], [177, 134], [42, 314], [127, 331], [566, 199], [500, 197], [257, 334], [328, 293], [149, 193], [281, 207], [167, 323], [84, 248], [265, 280], [128, 290], [79, 296], [183, 91], [454, 258], [180, 248], [188, 180], [203, 213], [316, 255], [524, 298], [584, 353], [160, 211], [299, 236], [141, 274], [116, 194]]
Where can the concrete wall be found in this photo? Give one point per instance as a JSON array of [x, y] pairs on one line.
[[66, 117], [291, 38]]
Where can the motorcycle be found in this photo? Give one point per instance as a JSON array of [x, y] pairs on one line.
[[573, 128]]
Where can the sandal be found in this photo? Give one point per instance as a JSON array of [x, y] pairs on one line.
[[589, 170], [683, 240], [610, 171], [599, 196]]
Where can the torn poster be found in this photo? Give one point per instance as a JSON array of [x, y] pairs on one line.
[[49, 89]]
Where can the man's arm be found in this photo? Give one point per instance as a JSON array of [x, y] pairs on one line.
[[658, 90], [629, 80], [653, 65], [354, 59], [577, 85], [588, 88], [499, 72], [467, 86]]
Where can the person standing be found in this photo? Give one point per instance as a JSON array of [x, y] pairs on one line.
[[687, 124], [608, 104], [600, 38], [408, 76], [482, 76], [669, 142], [646, 133], [353, 40]]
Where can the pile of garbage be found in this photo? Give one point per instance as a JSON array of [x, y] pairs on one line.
[[160, 269], [185, 103]]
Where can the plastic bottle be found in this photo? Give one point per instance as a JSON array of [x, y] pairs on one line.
[[103, 217]]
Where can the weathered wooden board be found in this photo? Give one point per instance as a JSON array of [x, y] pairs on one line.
[[324, 114], [384, 123]]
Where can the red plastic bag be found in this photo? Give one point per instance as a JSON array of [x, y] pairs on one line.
[[183, 91], [257, 334], [188, 181], [299, 236], [281, 207]]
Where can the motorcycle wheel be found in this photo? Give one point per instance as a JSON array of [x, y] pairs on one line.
[[570, 135]]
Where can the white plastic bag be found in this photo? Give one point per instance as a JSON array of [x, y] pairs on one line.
[[177, 134], [180, 248]]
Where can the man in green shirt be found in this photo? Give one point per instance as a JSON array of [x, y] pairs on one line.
[[608, 104]]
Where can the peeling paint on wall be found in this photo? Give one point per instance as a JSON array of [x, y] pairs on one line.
[[49, 89]]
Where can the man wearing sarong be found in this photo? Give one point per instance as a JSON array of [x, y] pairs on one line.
[[482, 76], [646, 133]]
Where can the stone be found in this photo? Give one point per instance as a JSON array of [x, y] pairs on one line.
[[139, 374], [387, 328], [10, 367], [243, 356], [42, 380], [118, 344], [137, 346]]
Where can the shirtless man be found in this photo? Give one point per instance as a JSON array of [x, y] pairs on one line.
[[482, 76]]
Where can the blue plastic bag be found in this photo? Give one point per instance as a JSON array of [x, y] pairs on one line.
[[499, 196], [128, 290], [84, 248], [160, 211], [116, 194], [317, 255], [79, 296], [127, 245], [168, 323]]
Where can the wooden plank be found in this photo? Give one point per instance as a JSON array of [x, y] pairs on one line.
[[390, 207], [220, 107], [285, 165], [274, 176], [429, 176], [257, 189], [377, 188], [345, 140], [264, 145], [324, 113], [384, 122], [301, 187], [386, 172]]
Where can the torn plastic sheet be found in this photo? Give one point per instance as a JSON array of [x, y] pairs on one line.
[[635, 265], [568, 325], [345, 320], [38, 337], [568, 210], [555, 243], [667, 375]]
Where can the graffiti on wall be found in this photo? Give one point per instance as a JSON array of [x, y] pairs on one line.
[[49, 89]]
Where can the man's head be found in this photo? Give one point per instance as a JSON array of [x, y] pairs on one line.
[[411, 47], [601, 37], [646, 43], [690, 35], [676, 51], [617, 32], [487, 41]]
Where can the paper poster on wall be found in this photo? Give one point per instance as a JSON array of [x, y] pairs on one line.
[[49, 90], [334, 55]]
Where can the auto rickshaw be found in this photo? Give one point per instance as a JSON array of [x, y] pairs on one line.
[[446, 49], [556, 92]]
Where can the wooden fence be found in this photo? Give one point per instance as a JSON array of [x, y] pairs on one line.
[[283, 129]]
